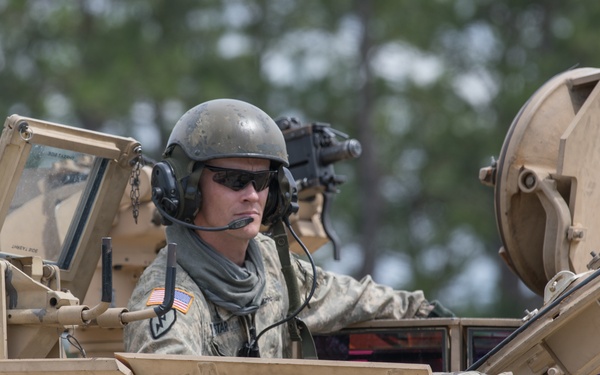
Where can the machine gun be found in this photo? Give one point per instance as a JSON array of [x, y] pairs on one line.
[[313, 149]]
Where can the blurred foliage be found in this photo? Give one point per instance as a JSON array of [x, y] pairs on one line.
[[429, 88]]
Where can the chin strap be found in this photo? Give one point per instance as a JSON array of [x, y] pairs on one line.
[[299, 332]]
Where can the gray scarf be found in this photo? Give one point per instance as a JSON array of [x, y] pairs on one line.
[[237, 289]]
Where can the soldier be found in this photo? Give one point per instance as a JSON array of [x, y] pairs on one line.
[[224, 164]]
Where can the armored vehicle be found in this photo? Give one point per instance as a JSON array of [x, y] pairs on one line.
[[77, 228]]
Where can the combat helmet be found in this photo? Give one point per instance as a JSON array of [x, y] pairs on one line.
[[228, 128]]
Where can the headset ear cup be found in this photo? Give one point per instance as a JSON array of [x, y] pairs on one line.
[[282, 199], [192, 197], [290, 197], [166, 192], [177, 197]]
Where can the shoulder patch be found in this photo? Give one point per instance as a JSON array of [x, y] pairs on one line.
[[162, 324], [182, 302]]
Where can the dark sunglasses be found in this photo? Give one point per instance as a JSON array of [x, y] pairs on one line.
[[237, 179]]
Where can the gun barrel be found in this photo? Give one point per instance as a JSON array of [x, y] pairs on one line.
[[350, 149]]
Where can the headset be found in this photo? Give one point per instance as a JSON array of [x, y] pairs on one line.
[[176, 194]]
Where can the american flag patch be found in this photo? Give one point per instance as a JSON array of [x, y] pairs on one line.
[[182, 302]]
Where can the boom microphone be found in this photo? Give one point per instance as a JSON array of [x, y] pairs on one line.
[[235, 224]]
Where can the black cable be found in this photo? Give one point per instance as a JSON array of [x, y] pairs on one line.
[[73, 341]]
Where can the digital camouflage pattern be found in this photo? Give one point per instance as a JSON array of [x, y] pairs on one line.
[[207, 329]]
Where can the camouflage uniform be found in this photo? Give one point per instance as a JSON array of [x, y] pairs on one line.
[[196, 326]]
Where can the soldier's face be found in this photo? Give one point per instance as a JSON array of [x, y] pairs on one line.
[[221, 204]]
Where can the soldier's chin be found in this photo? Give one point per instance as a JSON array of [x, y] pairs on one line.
[[249, 231], [253, 229]]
